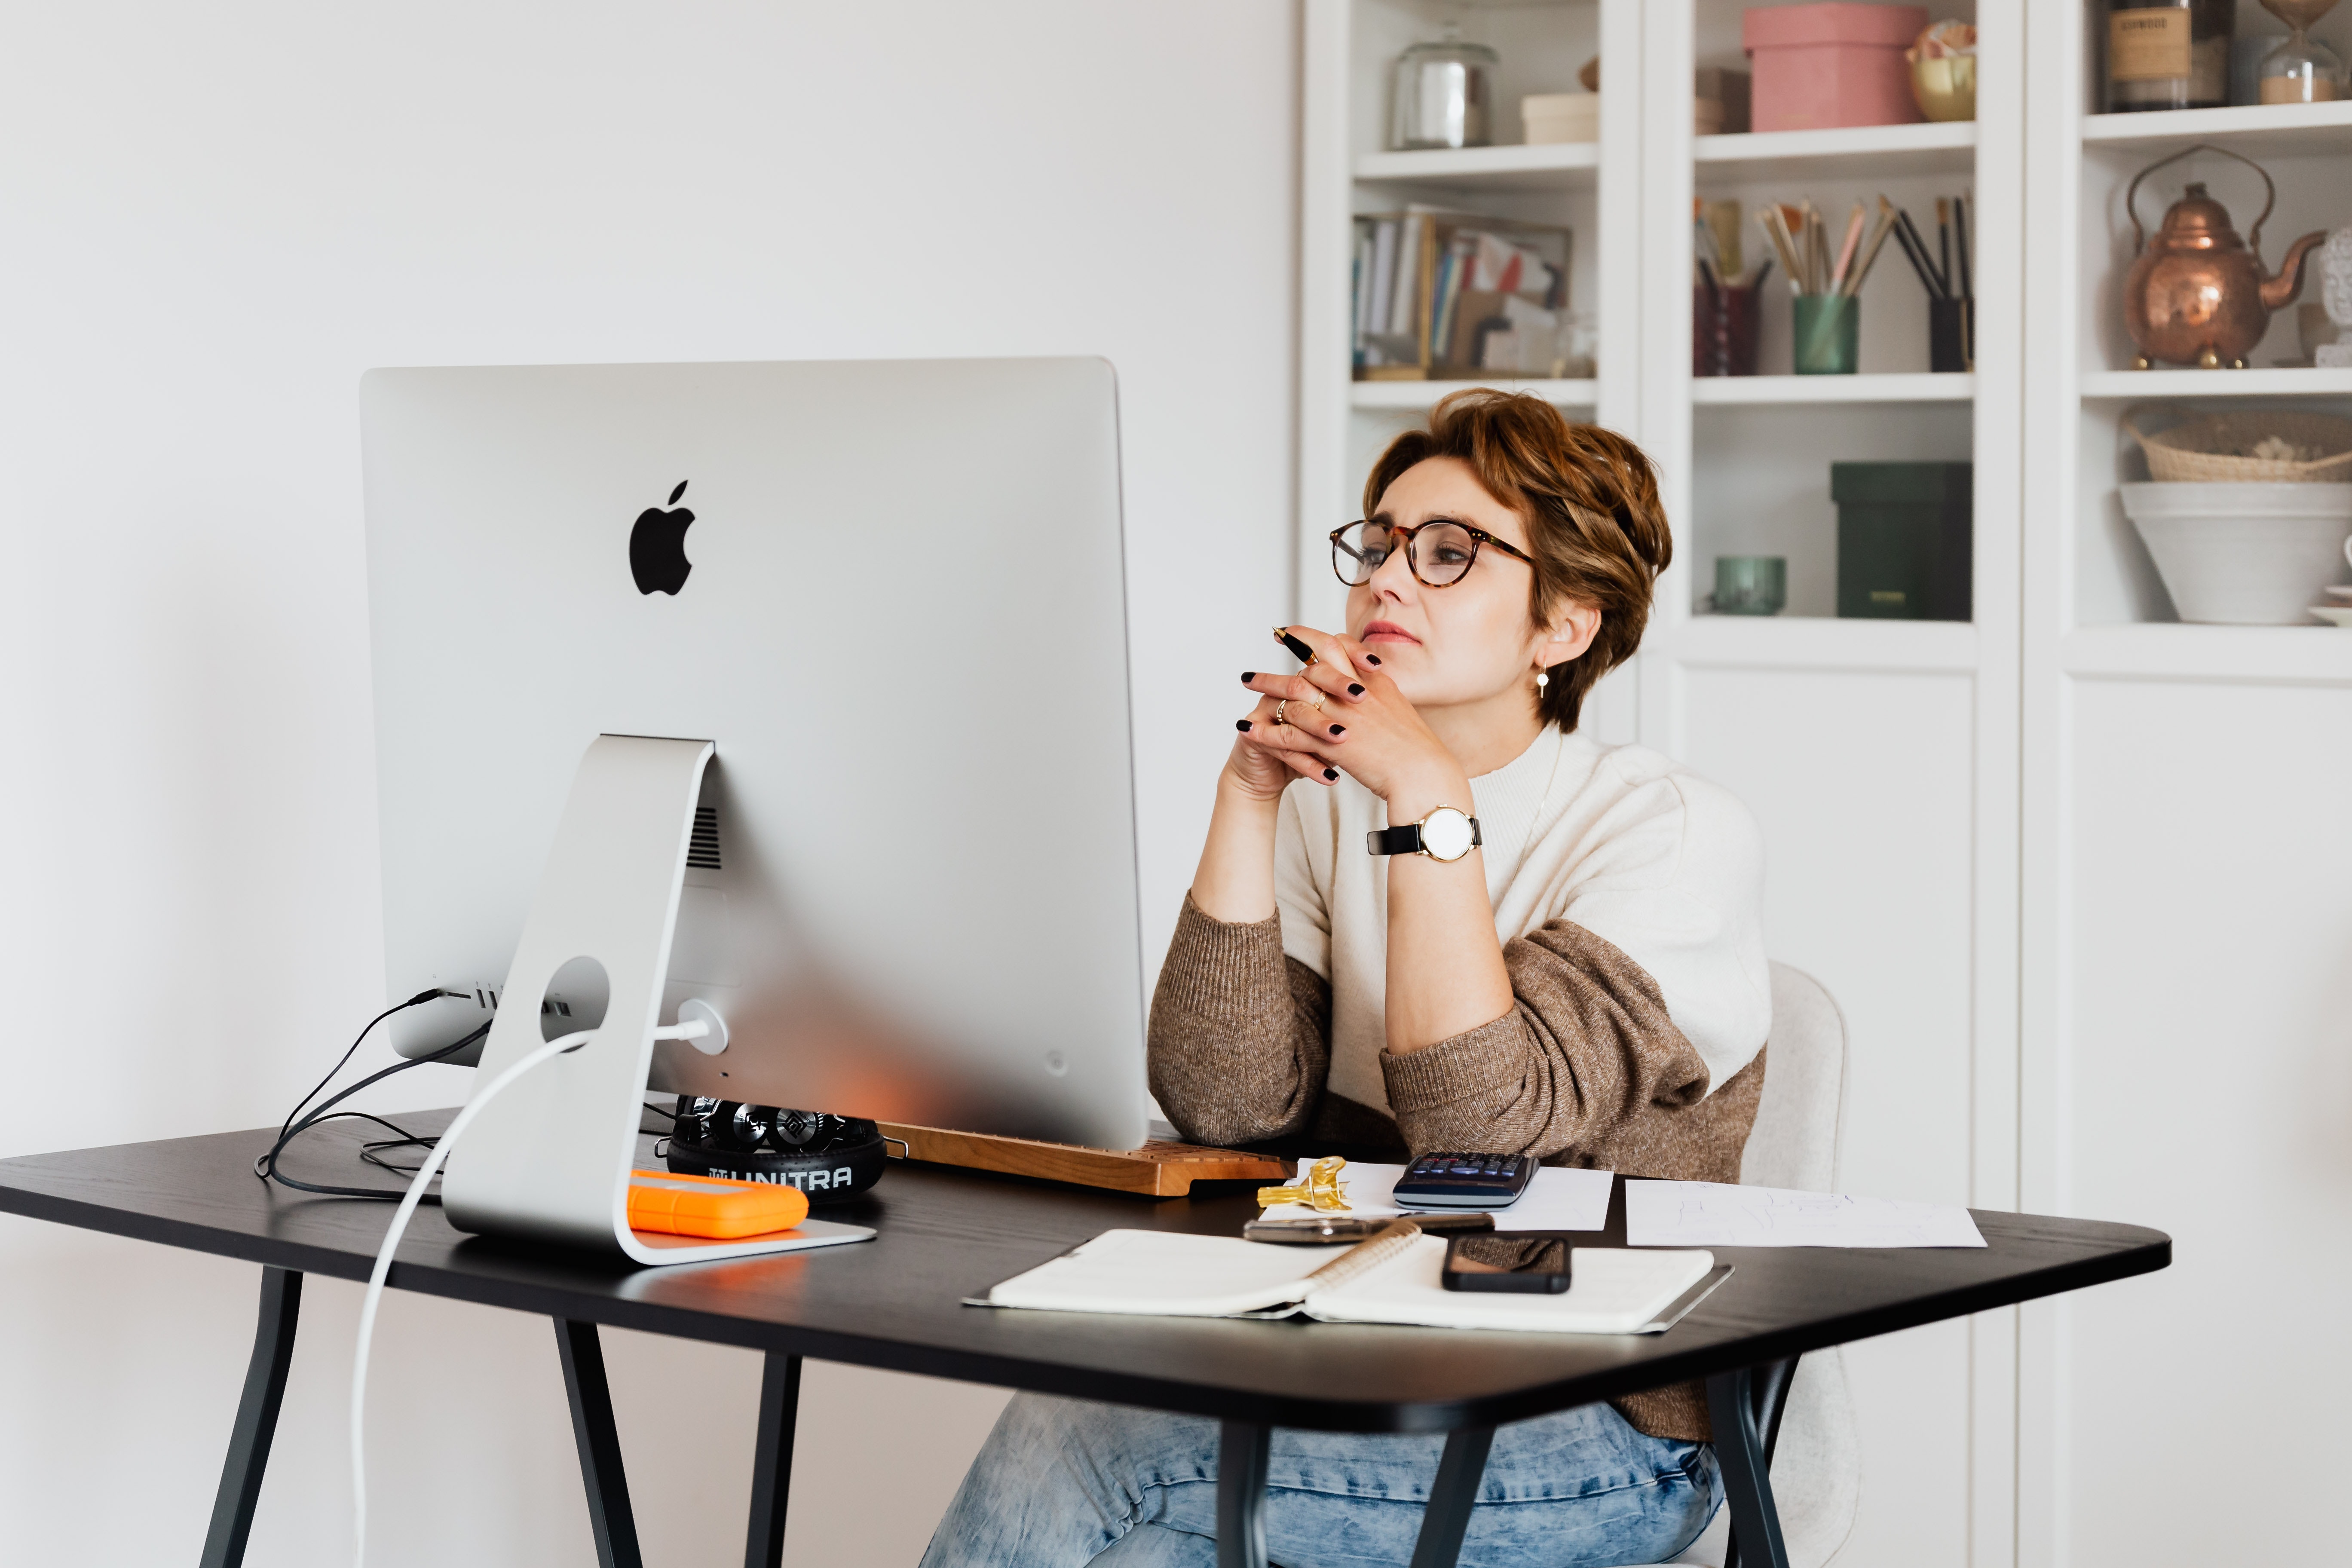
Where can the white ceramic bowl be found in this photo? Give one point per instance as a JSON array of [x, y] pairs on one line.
[[2244, 554], [2340, 614]]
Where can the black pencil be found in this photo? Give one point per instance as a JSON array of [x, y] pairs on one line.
[[1919, 257], [1944, 242], [1916, 256], [1960, 243]]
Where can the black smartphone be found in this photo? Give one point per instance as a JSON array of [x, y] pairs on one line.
[[1535, 1264]]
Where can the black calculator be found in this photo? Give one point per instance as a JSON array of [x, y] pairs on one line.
[[1465, 1181]]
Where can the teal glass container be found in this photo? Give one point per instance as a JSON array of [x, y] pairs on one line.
[[1829, 333], [1751, 584]]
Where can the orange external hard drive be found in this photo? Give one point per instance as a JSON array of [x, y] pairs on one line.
[[708, 1208]]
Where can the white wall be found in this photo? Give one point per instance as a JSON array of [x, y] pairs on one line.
[[212, 220]]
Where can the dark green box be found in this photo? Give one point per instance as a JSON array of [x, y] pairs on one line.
[[1905, 537]]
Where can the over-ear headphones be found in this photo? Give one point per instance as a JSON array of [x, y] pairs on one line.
[[827, 1157]]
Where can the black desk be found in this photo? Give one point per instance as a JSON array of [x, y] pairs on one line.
[[946, 1234]]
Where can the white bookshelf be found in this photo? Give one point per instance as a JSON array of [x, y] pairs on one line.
[[1909, 725], [1883, 151], [1582, 394], [1568, 166], [2253, 130], [2144, 742], [2133, 385], [1987, 838], [1918, 386], [2252, 656], [1807, 643]]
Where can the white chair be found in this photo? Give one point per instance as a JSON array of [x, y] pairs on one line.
[[1817, 1461]]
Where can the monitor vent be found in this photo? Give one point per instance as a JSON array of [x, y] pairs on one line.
[[702, 850]]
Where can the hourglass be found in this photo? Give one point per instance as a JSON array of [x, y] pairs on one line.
[[2302, 69]]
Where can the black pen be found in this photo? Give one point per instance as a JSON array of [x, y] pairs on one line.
[[1944, 243], [1298, 649], [1960, 247]]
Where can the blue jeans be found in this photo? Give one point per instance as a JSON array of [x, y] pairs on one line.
[[1061, 1483]]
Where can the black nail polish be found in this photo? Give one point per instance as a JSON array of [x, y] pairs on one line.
[[1339, 729], [1371, 659], [1242, 724], [1248, 675], [1355, 690], [1332, 774]]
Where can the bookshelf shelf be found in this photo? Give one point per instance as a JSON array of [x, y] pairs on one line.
[[1417, 394], [2314, 655], [2255, 130], [1820, 643], [1751, 390], [1884, 151], [2125, 386], [1567, 166]]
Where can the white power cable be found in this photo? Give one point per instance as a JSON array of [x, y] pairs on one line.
[[692, 1030]]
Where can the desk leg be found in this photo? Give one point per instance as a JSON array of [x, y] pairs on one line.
[[610, 1517], [1242, 1449], [1744, 1407], [771, 1461], [1446, 1520], [256, 1419]]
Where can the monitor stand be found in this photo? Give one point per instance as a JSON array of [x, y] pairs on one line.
[[549, 1160]]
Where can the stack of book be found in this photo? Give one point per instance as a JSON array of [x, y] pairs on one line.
[[1452, 294]]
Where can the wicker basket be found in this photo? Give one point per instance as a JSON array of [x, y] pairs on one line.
[[2211, 449]]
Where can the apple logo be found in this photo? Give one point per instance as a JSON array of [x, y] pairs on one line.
[[658, 547]]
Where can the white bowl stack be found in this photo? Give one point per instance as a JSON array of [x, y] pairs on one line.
[[2247, 554]]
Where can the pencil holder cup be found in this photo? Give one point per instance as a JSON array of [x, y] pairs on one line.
[[1829, 333], [1751, 584], [1723, 331], [1951, 334]]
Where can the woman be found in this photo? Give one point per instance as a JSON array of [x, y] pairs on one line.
[[1577, 973]]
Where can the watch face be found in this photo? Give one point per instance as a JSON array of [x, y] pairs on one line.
[[1445, 833]]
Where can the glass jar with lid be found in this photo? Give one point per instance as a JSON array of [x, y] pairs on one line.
[[2168, 54], [1444, 95]]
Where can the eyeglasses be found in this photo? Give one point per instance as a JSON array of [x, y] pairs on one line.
[[1439, 553]]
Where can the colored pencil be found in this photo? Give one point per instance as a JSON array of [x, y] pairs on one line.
[[1846, 248]]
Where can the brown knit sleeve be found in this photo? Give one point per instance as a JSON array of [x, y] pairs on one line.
[[1240, 1035], [1586, 1068]]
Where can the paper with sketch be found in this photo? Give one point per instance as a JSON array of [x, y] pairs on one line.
[[1560, 1199], [1711, 1213]]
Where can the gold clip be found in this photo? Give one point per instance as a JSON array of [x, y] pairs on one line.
[[1319, 1188]]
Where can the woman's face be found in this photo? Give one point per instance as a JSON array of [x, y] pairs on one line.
[[1469, 641]]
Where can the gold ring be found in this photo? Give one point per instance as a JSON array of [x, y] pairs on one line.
[[1315, 701], [1277, 711]]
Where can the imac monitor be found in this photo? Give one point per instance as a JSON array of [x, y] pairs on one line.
[[892, 594]]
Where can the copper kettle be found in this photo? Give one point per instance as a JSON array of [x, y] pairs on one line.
[[2198, 294]]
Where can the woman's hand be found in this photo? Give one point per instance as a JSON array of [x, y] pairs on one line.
[[1364, 727]]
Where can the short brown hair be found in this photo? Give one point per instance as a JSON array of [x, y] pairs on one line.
[[1590, 499]]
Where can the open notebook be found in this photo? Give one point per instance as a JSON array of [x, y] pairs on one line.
[[1389, 1279]]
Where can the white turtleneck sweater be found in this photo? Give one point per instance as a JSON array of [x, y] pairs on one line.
[[1664, 866]]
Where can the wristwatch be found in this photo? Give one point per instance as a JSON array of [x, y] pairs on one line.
[[1445, 834]]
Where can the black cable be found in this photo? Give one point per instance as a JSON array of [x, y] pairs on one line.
[[434, 994], [266, 1167], [296, 1123]]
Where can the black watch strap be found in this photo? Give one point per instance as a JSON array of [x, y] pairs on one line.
[[1406, 840]]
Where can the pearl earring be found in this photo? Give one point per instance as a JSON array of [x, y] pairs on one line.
[[1543, 679]]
